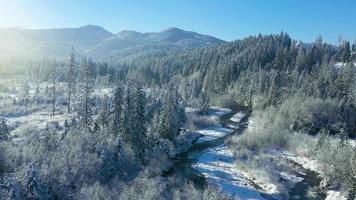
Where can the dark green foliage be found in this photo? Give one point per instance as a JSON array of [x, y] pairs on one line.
[[344, 52], [262, 71], [171, 117], [86, 102], [33, 187], [116, 112], [4, 130], [71, 80]]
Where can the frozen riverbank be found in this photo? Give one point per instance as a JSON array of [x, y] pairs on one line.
[[218, 166]]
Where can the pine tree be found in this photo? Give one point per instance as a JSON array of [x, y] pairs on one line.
[[104, 119], [116, 113], [54, 92], [4, 130], [127, 118], [171, 117], [36, 96], [344, 51], [34, 187], [353, 52], [86, 103], [25, 91], [71, 80], [140, 121]]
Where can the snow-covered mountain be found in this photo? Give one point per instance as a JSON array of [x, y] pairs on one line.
[[97, 42]]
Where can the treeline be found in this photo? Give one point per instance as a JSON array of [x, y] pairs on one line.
[[259, 71], [263, 71]]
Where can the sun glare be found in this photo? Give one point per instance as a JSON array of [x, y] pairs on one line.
[[13, 13]]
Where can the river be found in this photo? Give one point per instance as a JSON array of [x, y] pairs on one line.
[[183, 166]]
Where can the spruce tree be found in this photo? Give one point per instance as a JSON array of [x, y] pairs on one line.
[[171, 117], [34, 187], [116, 113], [54, 91], [4, 130], [71, 80], [140, 121], [86, 103], [127, 118]]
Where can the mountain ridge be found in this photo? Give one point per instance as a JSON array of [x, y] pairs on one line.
[[97, 42]]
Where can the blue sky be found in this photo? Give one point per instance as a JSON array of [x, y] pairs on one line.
[[225, 19]]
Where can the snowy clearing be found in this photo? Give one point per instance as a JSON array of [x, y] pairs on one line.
[[38, 119]]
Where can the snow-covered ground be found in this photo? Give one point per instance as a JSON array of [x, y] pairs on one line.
[[38, 119], [238, 117], [340, 65], [102, 92], [218, 166], [335, 195], [217, 112], [190, 110], [212, 133]]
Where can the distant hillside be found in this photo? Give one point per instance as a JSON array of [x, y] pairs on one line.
[[97, 42]]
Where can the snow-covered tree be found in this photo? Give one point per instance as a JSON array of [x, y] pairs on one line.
[[4, 130], [171, 116], [54, 89], [116, 122], [33, 186], [86, 103], [140, 121], [71, 80]]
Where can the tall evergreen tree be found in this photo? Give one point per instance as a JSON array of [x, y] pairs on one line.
[[344, 51], [86, 103], [116, 113], [171, 117], [127, 118], [140, 121], [34, 187], [4, 130], [54, 89], [71, 80]]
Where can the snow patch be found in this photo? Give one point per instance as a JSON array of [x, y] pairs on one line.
[[191, 110], [333, 195], [102, 92], [218, 111], [213, 133], [238, 117]]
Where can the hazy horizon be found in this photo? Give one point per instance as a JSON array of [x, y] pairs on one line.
[[227, 20]]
